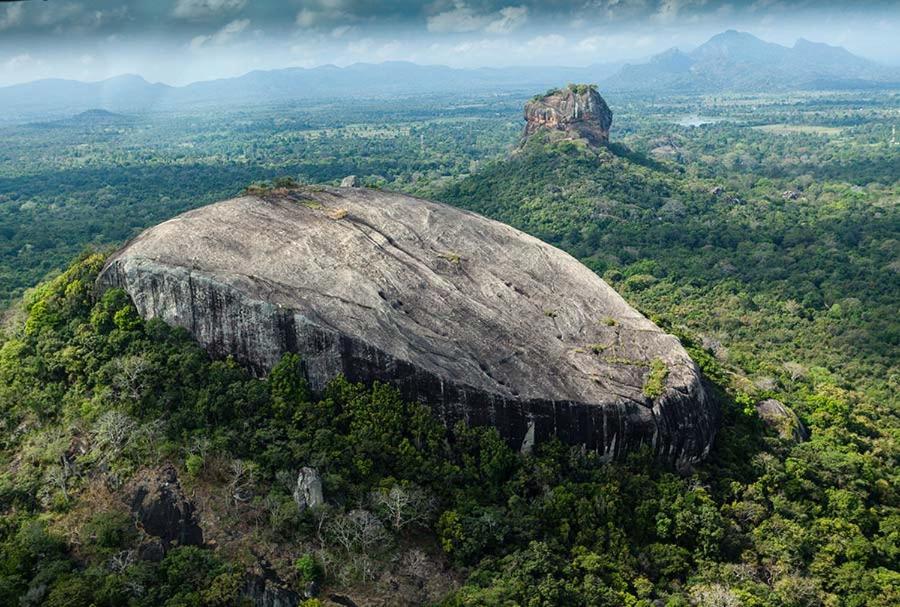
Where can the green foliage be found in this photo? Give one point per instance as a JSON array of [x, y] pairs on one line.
[[70, 591], [224, 590], [308, 569], [655, 384], [110, 530], [548, 93], [581, 89], [287, 382], [194, 464], [265, 188]]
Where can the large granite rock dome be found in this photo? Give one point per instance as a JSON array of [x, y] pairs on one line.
[[471, 316]]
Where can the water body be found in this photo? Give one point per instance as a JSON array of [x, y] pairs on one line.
[[692, 120]]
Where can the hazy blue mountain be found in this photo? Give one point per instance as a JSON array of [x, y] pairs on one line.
[[44, 98], [377, 80], [50, 98], [728, 61], [740, 61]]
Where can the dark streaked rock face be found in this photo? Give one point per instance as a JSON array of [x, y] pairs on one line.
[[162, 509], [481, 321], [263, 588], [577, 111]]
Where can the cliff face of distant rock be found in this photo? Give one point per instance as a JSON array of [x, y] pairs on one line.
[[578, 111], [480, 321]]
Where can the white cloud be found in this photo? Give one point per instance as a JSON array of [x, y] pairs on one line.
[[12, 16], [100, 18], [477, 47], [60, 13], [546, 42], [592, 44], [614, 42], [23, 61], [670, 10], [340, 31], [199, 9], [223, 36], [308, 17], [363, 46], [462, 18], [323, 13], [368, 49], [511, 17], [578, 23], [610, 10], [71, 15]]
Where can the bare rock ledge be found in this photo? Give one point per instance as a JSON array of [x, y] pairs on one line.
[[480, 321]]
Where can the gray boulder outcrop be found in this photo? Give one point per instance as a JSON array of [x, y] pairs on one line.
[[577, 111], [782, 420], [308, 490], [482, 322]]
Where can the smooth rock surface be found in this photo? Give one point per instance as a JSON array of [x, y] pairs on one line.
[[578, 111], [479, 320], [782, 420], [308, 490]]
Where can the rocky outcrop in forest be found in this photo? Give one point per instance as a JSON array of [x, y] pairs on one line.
[[161, 509], [479, 320], [577, 111]]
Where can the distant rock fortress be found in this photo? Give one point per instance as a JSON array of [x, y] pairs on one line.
[[480, 321], [577, 112]]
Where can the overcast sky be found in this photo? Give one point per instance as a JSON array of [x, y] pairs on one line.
[[180, 41]]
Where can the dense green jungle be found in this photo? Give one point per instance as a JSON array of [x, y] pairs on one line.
[[762, 230]]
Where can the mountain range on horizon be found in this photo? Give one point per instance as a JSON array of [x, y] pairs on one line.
[[738, 61], [730, 61]]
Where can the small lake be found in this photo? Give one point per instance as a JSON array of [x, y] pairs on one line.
[[689, 120]]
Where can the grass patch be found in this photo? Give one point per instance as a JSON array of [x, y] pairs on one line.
[[453, 258], [656, 379], [621, 360]]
